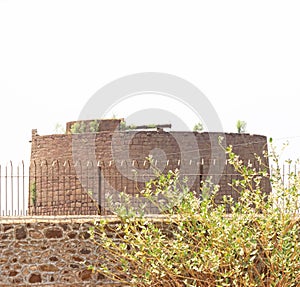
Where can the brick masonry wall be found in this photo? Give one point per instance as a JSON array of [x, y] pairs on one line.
[[48, 252], [77, 189]]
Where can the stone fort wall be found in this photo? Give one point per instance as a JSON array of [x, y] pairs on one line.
[[45, 251], [72, 173]]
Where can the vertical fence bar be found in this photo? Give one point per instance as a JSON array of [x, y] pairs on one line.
[[49, 193], [12, 187], [52, 188], [70, 188], [87, 187], [75, 190], [18, 210], [64, 187], [99, 191], [0, 189], [23, 189], [40, 197], [93, 190], [35, 184], [6, 190], [283, 181], [81, 189], [47, 199], [57, 194], [200, 177]]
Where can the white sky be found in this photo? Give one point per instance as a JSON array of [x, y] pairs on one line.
[[54, 55]]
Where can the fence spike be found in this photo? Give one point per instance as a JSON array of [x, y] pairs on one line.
[[21, 210]]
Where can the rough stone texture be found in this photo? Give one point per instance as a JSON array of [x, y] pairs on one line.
[[73, 173], [53, 233], [35, 278], [39, 260], [20, 233]]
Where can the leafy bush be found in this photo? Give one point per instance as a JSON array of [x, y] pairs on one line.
[[198, 127], [123, 126], [241, 126], [94, 126], [82, 127], [75, 128], [33, 193], [196, 243], [59, 129]]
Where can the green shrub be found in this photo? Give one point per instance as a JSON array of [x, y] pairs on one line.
[[33, 193], [241, 126], [198, 127], [196, 243], [59, 129], [81, 127], [75, 128], [124, 127], [94, 126]]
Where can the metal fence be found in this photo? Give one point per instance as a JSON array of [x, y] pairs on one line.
[[65, 188], [14, 189]]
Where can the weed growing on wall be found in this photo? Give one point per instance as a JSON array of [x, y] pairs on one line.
[[123, 126], [241, 126], [75, 128], [194, 242], [82, 127], [198, 127], [33, 193], [59, 129], [94, 126]]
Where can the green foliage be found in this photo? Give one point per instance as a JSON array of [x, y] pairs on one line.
[[75, 128], [59, 129], [241, 126], [123, 126], [196, 243], [33, 193], [81, 127], [198, 127], [94, 126]]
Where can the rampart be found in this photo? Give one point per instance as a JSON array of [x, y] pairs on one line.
[[72, 173]]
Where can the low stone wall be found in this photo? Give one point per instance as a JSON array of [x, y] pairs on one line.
[[48, 251]]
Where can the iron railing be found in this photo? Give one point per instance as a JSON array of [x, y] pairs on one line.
[[66, 188], [13, 189]]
